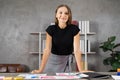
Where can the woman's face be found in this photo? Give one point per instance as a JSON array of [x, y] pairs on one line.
[[62, 15]]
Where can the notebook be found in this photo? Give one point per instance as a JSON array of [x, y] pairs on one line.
[[98, 75]]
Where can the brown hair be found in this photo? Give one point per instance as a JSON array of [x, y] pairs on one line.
[[69, 14]]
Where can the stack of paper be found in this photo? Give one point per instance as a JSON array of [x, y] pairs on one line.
[[116, 77]]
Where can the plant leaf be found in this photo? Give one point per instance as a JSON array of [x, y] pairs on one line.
[[112, 38], [107, 61], [110, 46], [115, 65], [106, 46], [117, 56], [117, 52], [114, 59], [117, 45]]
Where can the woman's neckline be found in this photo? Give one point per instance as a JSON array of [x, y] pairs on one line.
[[62, 28]]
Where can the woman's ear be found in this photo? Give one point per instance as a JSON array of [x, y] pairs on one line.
[[56, 16]]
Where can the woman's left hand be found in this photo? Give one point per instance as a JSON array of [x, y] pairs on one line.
[[36, 71], [83, 71]]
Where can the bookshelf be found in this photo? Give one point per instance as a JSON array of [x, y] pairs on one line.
[[84, 32], [42, 36]]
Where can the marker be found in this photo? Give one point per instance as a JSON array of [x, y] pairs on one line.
[[34, 76]]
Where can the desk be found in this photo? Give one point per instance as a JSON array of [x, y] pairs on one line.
[[108, 73]]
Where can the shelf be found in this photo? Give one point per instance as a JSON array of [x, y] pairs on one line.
[[34, 33], [90, 33], [90, 53], [37, 53], [37, 33], [34, 53]]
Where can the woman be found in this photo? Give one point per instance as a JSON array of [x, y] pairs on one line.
[[62, 39]]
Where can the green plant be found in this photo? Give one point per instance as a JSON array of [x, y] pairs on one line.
[[114, 58]]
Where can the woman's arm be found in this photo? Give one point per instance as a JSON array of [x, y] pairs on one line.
[[46, 54], [77, 51]]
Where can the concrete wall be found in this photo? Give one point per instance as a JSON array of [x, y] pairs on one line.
[[18, 18]]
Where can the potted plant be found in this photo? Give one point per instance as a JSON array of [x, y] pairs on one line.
[[114, 59]]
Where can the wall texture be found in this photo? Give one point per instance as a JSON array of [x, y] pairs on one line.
[[18, 18]]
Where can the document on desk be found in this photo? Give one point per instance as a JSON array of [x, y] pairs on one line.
[[44, 77], [57, 76], [2, 77], [65, 76], [116, 77], [31, 76], [72, 74]]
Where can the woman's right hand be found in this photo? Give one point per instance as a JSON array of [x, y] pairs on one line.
[[36, 71]]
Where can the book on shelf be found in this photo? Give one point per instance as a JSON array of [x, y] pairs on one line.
[[82, 46], [88, 26], [75, 22], [43, 44], [88, 46], [82, 25]]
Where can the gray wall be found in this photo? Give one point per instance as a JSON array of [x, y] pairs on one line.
[[18, 18]]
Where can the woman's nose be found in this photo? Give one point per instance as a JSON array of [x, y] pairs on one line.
[[63, 15]]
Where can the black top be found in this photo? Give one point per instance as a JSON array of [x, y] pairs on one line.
[[62, 39]]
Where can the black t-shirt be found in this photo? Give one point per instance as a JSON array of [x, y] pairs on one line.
[[62, 39]]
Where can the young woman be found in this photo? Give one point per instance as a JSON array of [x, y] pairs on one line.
[[62, 39]]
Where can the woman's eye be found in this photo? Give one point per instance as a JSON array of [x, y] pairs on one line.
[[66, 13], [60, 12]]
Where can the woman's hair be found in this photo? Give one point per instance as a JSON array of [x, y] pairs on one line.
[[69, 14]]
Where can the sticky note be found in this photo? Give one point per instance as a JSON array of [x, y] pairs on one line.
[[8, 78], [18, 78]]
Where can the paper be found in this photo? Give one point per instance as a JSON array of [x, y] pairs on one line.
[[31, 76], [72, 74], [59, 77], [116, 77], [2, 77], [44, 76]]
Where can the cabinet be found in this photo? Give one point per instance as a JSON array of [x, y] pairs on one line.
[[42, 36]]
